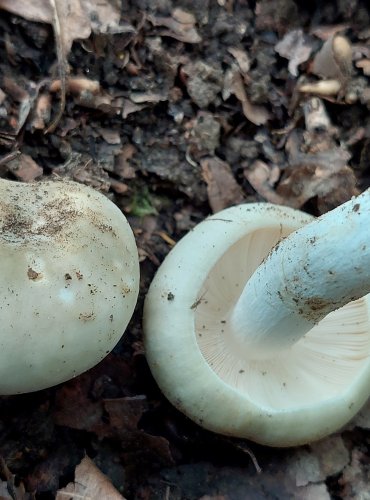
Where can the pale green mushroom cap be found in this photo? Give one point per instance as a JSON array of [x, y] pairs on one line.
[[69, 282]]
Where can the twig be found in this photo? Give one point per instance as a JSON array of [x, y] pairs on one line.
[[62, 65]]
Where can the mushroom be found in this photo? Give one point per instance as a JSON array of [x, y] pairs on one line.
[[257, 323], [69, 281]]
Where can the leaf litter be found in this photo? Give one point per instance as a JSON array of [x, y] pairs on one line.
[[175, 111]]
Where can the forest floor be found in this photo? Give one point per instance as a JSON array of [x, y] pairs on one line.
[[180, 109]]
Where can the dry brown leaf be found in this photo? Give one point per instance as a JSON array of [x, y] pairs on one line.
[[234, 84], [334, 60], [146, 97], [222, 188], [364, 64], [122, 165], [76, 85], [262, 178], [241, 58], [73, 16], [181, 26], [332, 187], [79, 17], [296, 46], [128, 107], [326, 31], [41, 112], [24, 168], [21, 103], [90, 483], [323, 87]]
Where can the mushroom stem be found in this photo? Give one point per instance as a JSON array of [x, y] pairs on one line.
[[315, 270]]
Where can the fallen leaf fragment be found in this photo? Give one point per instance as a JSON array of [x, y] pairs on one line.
[[76, 85], [262, 178], [241, 58], [90, 483], [364, 64], [111, 136], [326, 31], [21, 103], [296, 46], [24, 168], [125, 413], [42, 112], [323, 87], [222, 188], [79, 18], [181, 26], [317, 167], [145, 97], [334, 60], [122, 165], [233, 84]]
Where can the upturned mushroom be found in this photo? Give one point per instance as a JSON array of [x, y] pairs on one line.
[[257, 323], [69, 281]]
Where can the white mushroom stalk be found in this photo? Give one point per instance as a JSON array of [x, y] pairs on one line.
[[69, 281], [316, 270], [257, 323]]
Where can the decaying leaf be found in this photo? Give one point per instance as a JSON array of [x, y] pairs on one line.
[[233, 84], [76, 85], [296, 46], [334, 60], [90, 483], [317, 167], [323, 174], [80, 17], [324, 32], [263, 178], [181, 26], [24, 168], [20, 103], [222, 188], [364, 64], [241, 58]]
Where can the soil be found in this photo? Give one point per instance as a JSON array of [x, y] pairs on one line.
[[188, 108]]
